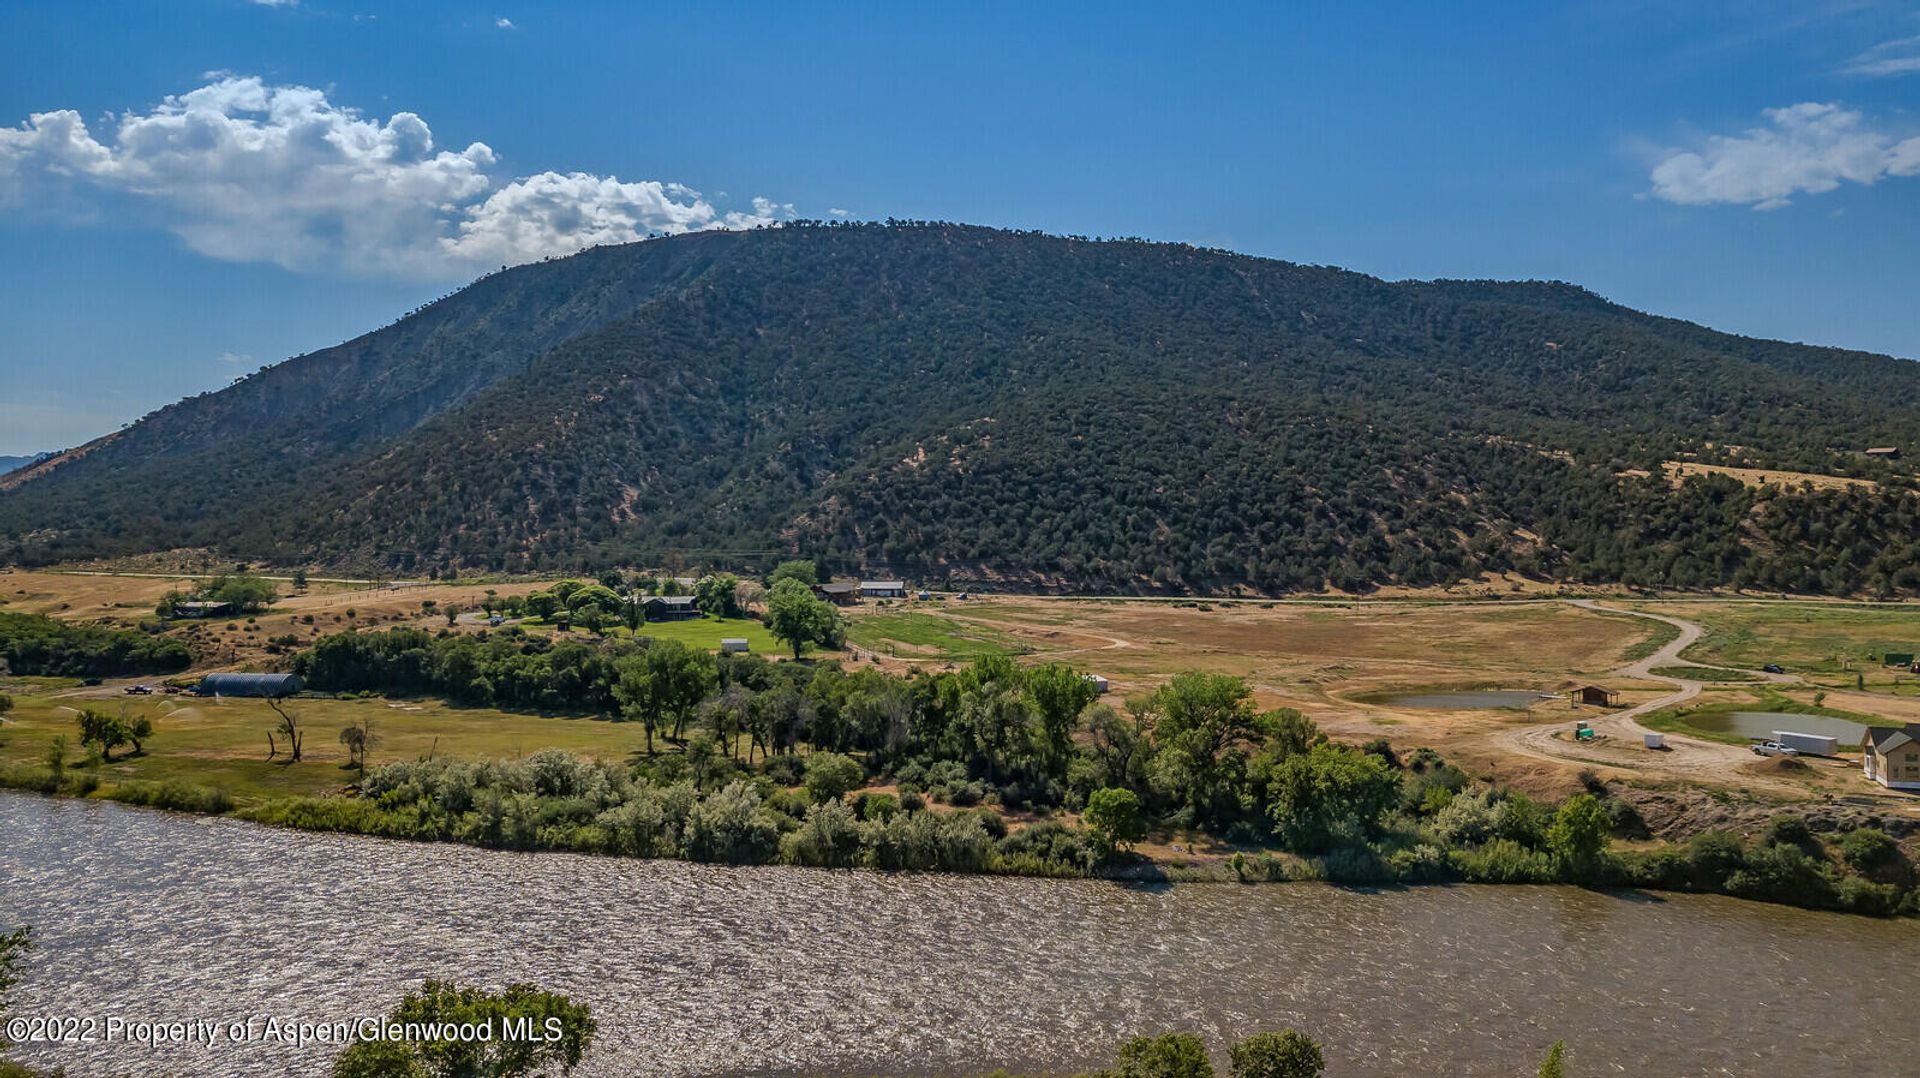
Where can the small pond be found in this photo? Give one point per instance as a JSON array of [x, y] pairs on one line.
[[1762, 724], [1519, 699]]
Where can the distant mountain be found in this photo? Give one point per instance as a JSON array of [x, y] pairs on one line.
[[942, 400], [10, 464]]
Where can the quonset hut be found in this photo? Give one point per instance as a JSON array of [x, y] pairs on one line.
[[250, 685]]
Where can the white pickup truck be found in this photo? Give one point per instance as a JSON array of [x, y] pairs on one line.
[[1774, 748]]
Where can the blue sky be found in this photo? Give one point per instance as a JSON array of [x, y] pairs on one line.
[[190, 190]]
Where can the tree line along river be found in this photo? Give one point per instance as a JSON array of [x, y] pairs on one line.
[[701, 970]]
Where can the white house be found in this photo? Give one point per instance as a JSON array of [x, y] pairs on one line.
[[734, 644], [883, 589]]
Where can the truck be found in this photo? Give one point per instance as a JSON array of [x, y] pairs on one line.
[[1807, 744]]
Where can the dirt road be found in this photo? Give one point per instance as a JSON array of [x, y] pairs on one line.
[[1621, 741]]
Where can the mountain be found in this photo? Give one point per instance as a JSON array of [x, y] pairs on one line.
[[942, 400], [9, 464]]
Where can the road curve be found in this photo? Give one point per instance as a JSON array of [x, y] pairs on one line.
[[1621, 733]]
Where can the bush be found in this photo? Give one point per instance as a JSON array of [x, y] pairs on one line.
[[1504, 861], [1113, 818], [829, 838], [1874, 854], [1713, 857], [731, 827], [876, 807], [1170, 1055], [1287, 1054], [175, 794], [830, 776], [787, 770]]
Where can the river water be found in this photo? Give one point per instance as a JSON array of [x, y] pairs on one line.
[[697, 970]]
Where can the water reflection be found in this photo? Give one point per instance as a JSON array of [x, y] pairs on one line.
[[698, 970]]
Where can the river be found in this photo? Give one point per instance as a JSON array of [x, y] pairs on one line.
[[699, 970]]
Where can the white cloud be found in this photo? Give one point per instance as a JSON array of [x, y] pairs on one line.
[[248, 172], [275, 3], [1807, 148], [505, 23], [1898, 57], [235, 358]]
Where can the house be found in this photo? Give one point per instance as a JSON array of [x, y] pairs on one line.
[[1898, 658], [1099, 683], [923, 595], [269, 685], [883, 589], [1891, 452], [1891, 755], [670, 608], [734, 645], [1595, 695], [841, 594], [197, 608]]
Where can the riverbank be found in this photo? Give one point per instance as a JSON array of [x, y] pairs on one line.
[[783, 972]]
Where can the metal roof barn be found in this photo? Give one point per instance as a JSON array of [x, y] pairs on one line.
[[250, 685]]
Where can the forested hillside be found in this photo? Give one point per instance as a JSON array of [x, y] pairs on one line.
[[948, 401]]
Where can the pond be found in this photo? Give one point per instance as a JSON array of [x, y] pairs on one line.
[[1760, 725], [1517, 699], [702, 970]]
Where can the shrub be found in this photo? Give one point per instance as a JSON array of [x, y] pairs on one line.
[[175, 794], [1874, 854], [787, 769], [1467, 820], [1504, 861], [1287, 1054], [731, 827], [829, 776], [880, 807], [1113, 818], [1170, 1055], [829, 838]]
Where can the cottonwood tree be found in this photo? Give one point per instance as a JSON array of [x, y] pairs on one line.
[[1287, 1054], [797, 618], [358, 737], [531, 1031], [112, 731]]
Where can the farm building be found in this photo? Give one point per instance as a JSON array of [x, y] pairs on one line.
[[883, 589], [1891, 755], [839, 594], [1595, 695], [670, 608], [1100, 684], [734, 644], [202, 609], [1898, 658], [1891, 452], [249, 685]]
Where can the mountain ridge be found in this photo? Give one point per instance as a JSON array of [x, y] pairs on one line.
[[942, 399]]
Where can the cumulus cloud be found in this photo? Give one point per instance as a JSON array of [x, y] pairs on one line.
[[1808, 148], [249, 172], [1898, 57]]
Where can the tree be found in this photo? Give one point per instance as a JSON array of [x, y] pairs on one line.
[[1579, 836], [633, 613], [1113, 815], [1555, 1064], [300, 579], [6, 703], [1059, 695], [664, 684], [1287, 1054], [245, 591], [830, 776], [799, 619], [452, 612], [1200, 717], [288, 727], [799, 569], [359, 737], [1317, 792], [13, 950], [718, 594], [1170, 1055], [528, 1031], [109, 732]]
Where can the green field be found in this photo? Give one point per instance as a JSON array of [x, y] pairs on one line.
[[1832, 644], [223, 743], [930, 636], [703, 632]]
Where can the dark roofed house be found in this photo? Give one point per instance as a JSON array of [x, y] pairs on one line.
[[670, 608], [1891, 755], [841, 593], [269, 685], [1595, 695]]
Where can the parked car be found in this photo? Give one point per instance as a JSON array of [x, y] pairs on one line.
[[1773, 748], [139, 690], [1773, 668]]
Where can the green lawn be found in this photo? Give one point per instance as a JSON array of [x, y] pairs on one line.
[[223, 743], [703, 632], [916, 635]]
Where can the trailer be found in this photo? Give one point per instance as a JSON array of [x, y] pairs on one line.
[[1808, 744]]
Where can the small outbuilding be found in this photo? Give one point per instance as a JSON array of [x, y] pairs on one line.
[[734, 645], [1890, 452], [1099, 683], [1898, 658], [883, 589], [267, 685], [202, 608], [670, 608], [1595, 695]]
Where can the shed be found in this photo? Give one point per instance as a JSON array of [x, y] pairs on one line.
[[883, 589], [1595, 695], [670, 607], [250, 685], [734, 644], [200, 608], [1654, 741], [1889, 451], [1099, 683], [1898, 658]]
